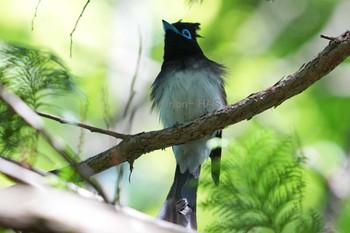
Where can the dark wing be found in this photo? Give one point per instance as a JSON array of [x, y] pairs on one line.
[[215, 157], [157, 89]]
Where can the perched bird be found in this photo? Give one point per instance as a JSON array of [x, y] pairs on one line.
[[189, 85]]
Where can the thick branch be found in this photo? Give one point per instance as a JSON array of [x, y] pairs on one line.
[[51, 210], [37, 207], [134, 146]]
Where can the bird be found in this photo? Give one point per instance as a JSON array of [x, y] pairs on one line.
[[188, 86]]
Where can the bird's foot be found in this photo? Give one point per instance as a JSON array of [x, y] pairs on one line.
[[183, 207]]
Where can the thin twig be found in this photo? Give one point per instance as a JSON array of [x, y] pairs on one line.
[[83, 113], [132, 86], [29, 116], [120, 169], [328, 37], [35, 13], [75, 27], [24, 174], [106, 107], [109, 122], [117, 193], [82, 125]]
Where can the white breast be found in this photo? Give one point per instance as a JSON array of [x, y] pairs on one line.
[[187, 95]]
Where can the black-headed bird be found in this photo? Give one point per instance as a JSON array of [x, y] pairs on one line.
[[188, 86]]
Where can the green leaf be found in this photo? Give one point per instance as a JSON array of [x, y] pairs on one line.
[[35, 76]]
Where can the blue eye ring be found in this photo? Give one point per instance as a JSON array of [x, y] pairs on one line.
[[186, 33]]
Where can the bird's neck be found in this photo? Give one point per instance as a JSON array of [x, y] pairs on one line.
[[181, 51]]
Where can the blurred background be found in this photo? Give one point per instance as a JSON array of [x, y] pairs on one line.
[[258, 41]]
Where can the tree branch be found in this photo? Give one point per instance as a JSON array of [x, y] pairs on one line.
[[30, 209], [134, 146], [32, 119], [23, 174], [38, 207], [82, 125], [133, 80]]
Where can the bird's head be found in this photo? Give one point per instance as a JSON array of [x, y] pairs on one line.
[[180, 40]]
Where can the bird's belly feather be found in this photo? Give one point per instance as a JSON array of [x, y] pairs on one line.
[[188, 95]]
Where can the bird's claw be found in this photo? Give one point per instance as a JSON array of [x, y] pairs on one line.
[[183, 207]]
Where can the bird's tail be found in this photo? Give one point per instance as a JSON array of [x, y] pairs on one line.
[[180, 204]]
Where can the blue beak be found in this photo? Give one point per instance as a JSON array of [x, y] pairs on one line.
[[168, 26]]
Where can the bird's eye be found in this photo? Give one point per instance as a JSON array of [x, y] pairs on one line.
[[186, 33]]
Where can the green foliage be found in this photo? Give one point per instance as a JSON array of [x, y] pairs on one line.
[[69, 174], [32, 74], [258, 40], [343, 223], [35, 76], [261, 189]]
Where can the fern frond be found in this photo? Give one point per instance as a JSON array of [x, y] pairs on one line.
[[34, 76], [261, 189]]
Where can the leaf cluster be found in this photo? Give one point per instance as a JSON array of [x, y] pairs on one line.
[[35, 76], [261, 189]]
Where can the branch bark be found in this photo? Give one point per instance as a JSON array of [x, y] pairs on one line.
[[54, 211], [37, 207], [134, 146]]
